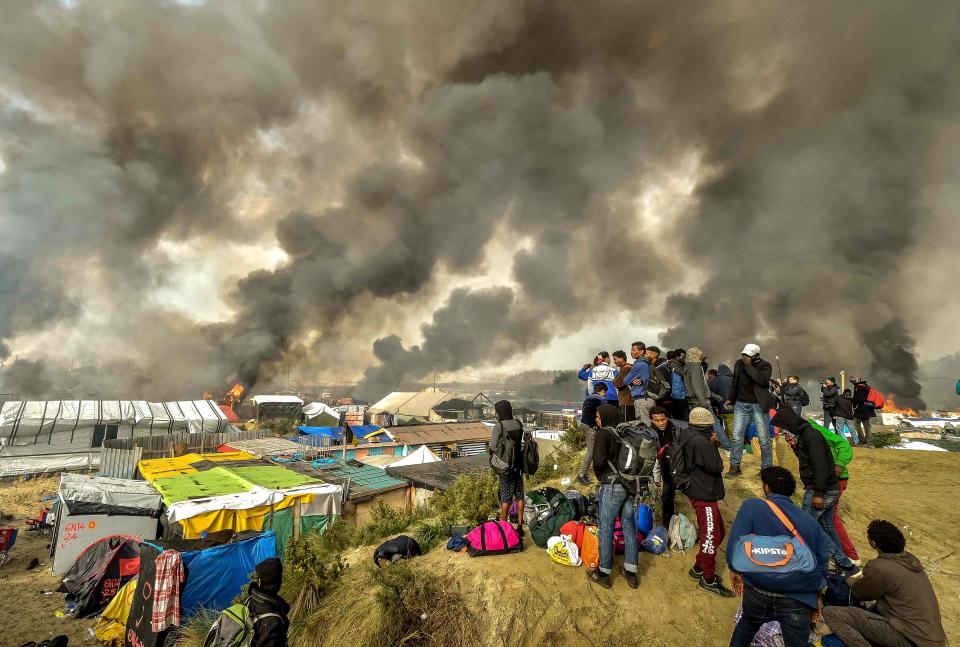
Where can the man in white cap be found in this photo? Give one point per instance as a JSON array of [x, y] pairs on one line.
[[751, 399]]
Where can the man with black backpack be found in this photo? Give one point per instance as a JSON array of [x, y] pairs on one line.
[[268, 610], [588, 425], [615, 502], [506, 459], [701, 479], [789, 596]]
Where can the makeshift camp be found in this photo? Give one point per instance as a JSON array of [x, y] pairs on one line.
[[215, 576], [365, 485], [278, 407], [112, 623], [419, 457], [232, 491], [89, 508], [407, 407], [99, 572], [445, 439], [319, 414], [56, 435]]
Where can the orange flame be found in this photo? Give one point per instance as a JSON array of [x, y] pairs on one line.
[[890, 406]]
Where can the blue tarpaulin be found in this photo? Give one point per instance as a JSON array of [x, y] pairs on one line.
[[360, 431], [216, 575]]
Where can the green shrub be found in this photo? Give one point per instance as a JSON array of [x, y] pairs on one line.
[[885, 439], [564, 461], [472, 498], [574, 437], [384, 521], [428, 534], [316, 568], [195, 629]]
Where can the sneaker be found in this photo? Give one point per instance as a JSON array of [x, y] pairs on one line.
[[583, 480], [597, 577], [631, 578], [694, 573], [850, 571], [734, 472], [716, 587]]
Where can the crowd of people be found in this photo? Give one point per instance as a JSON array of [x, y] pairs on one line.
[[691, 407]]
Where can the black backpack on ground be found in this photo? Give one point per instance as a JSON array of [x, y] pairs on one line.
[[531, 455], [401, 547], [503, 456], [635, 454]]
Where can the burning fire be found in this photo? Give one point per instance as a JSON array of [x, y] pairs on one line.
[[233, 396], [890, 406]]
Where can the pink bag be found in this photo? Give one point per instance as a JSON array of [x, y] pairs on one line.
[[619, 548], [493, 538]]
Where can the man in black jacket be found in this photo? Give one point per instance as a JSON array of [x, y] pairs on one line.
[[819, 475], [268, 611], [667, 431], [751, 399], [863, 410], [705, 490], [830, 394]]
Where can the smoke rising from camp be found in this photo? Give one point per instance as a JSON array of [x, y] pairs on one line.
[[386, 148]]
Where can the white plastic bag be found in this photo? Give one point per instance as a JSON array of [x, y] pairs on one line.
[[563, 550]]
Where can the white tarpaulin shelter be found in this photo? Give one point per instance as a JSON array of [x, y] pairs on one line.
[[419, 457], [54, 435], [91, 508]]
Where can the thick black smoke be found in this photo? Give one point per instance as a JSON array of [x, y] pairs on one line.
[[390, 147]]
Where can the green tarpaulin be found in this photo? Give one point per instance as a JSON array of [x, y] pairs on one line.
[[282, 524]]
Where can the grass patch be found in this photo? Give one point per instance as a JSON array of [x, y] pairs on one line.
[[399, 604], [472, 498], [194, 632], [885, 439], [564, 461]]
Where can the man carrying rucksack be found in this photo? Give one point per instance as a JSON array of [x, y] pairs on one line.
[[830, 393], [679, 408], [268, 611], [667, 430], [844, 420], [588, 425], [698, 390], [795, 601], [507, 440], [819, 475], [704, 489], [794, 395], [907, 613], [751, 399], [863, 410], [615, 502]]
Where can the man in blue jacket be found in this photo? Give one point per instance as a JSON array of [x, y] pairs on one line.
[[794, 610], [637, 379]]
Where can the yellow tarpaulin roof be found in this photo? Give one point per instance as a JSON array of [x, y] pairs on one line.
[[161, 468]]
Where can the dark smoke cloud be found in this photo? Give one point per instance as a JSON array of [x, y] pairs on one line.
[[390, 147]]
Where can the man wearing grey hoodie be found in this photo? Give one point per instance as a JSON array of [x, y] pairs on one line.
[[907, 613], [698, 391]]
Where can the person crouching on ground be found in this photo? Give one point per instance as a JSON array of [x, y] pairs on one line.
[[268, 611], [907, 612], [511, 483], [588, 425], [615, 502], [705, 491], [793, 608]]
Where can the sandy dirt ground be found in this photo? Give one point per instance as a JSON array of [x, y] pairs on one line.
[[528, 600], [26, 611]]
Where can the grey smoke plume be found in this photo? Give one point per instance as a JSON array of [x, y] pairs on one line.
[[389, 147]]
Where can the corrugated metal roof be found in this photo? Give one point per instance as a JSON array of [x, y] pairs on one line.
[[409, 403], [442, 474], [261, 447], [444, 432], [365, 480]]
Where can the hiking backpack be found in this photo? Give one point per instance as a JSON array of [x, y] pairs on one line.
[[635, 454], [235, 627], [875, 398], [579, 503], [537, 502], [531, 455], [781, 564], [547, 524], [503, 455], [678, 390]]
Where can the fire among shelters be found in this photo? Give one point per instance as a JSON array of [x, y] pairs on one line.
[[890, 406]]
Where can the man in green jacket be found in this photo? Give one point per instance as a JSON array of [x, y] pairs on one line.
[[842, 455]]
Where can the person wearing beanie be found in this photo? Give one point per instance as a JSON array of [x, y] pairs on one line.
[[751, 399], [698, 444], [615, 502], [268, 611]]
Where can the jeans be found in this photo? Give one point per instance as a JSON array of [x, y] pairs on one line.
[[829, 417], [742, 413], [760, 607], [844, 429], [721, 433], [824, 517], [615, 502], [589, 433]]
